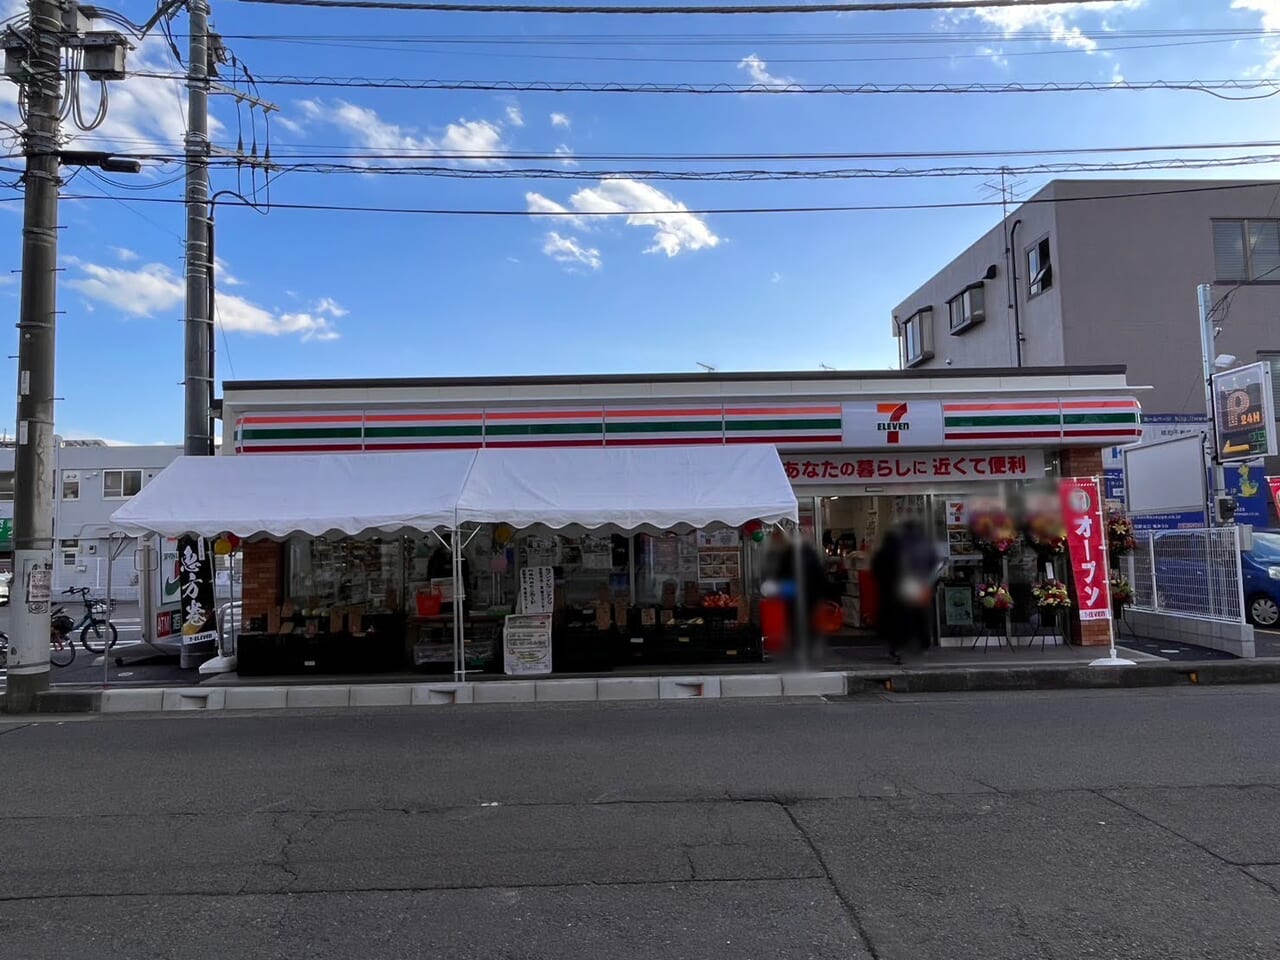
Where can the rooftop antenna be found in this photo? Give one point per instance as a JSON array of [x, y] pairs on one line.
[[706, 367], [825, 366]]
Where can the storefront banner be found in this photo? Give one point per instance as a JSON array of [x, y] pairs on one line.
[[195, 573], [537, 589], [1087, 545], [892, 425], [1274, 484], [526, 645], [924, 467]]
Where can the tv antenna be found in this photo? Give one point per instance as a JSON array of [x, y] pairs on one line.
[[706, 367]]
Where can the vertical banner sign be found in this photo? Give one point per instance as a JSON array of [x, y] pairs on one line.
[[1274, 484], [195, 573], [1087, 545]]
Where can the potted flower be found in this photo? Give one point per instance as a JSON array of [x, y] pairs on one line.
[[1046, 535], [994, 534], [1121, 595], [1120, 535], [1051, 594], [994, 600]]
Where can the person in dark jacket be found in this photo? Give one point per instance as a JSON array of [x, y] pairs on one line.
[[804, 595], [905, 569]]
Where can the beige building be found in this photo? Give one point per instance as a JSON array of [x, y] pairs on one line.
[[1105, 271]]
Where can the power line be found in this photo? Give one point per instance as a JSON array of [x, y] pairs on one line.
[[710, 211], [874, 6], [1269, 87]]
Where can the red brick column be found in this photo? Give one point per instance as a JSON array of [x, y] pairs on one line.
[[263, 577], [1085, 462]]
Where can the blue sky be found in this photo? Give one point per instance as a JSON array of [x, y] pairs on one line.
[[328, 294]]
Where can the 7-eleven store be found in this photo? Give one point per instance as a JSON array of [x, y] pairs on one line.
[[862, 450]]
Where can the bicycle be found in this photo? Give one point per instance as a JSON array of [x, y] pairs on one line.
[[62, 649], [92, 623]]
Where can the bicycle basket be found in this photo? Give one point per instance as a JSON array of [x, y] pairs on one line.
[[99, 609]]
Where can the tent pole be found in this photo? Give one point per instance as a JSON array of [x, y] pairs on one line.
[[802, 628], [459, 659]]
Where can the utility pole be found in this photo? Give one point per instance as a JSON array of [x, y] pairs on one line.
[[28, 669], [1213, 469], [197, 367]]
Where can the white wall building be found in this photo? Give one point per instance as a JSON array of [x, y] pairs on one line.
[[90, 480]]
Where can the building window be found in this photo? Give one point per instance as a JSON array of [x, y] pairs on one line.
[[6, 487], [70, 485], [1273, 358], [916, 337], [1039, 269], [121, 484], [967, 308], [1246, 251], [70, 550]]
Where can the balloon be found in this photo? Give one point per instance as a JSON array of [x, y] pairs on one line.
[[222, 547], [758, 536], [235, 541], [503, 534]]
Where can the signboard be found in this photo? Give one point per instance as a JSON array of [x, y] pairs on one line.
[[1087, 546], [6, 534], [526, 645], [1245, 483], [537, 589], [195, 575], [923, 467], [1244, 413], [893, 424], [1165, 477], [958, 606], [1274, 484]]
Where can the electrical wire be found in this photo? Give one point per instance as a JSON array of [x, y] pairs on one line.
[[1269, 87], [871, 6], [716, 211]]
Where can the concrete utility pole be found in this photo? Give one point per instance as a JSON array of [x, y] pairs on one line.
[[1214, 471], [198, 366], [28, 669]]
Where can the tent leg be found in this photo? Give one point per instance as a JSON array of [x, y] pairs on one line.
[[799, 605], [459, 641]]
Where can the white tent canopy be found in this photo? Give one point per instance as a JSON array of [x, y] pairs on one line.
[[627, 488], [315, 494], [361, 493]]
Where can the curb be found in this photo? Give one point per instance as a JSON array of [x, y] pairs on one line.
[[1186, 673]]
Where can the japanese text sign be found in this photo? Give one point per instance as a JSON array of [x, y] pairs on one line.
[[1087, 545], [924, 467], [195, 589]]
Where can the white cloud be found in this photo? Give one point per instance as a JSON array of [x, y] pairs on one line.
[[222, 273], [124, 254], [155, 287], [1058, 21], [514, 116], [565, 153], [368, 129], [538, 205], [568, 250], [293, 126], [1269, 11], [775, 277], [675, 230], [560, 120], [759, 71], [331, 307]]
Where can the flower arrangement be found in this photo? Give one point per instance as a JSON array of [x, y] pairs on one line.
[[1121, 592], [993, 531], [994, 596], [1046, 534], [1120, 538], [1051, 593]]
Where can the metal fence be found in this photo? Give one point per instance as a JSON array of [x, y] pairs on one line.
[[1191, 573]]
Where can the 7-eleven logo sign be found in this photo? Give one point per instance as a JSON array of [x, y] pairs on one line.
[[894, 422]]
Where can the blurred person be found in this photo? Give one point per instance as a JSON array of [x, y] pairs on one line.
[[905, 569], [802, 597]]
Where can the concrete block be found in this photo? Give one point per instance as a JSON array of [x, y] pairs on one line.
[[255, 698], [813, 684], [504, 691], [441, 694], [627, 688], [764, 685], [132, 701], [381, 695], [564, 690], [195, 698], [686, 688], [338, 695]]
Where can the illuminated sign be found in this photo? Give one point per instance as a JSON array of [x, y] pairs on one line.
[[1244, 413]]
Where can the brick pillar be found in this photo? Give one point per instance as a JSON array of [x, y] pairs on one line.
[[262, 577], [1085, 462]]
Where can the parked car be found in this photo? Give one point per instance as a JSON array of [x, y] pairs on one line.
[[1185, 580], [1261, 567]]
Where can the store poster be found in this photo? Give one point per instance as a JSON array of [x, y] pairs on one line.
[[958, 606], [526, 645], [1246, 483], [1087, 546], [195, 575], [1274, 484], [537, 590]]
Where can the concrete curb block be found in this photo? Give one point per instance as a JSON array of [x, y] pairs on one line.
[[565, 690], [255, 698], [767, 685], [627, 688], [336, 696], [441, 694], [688, 688], [194, 698], [387, 695], [504, 691], [1064, 678], [132, 701], [814, 685]]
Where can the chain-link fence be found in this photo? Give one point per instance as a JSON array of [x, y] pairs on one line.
[[1193, 573]]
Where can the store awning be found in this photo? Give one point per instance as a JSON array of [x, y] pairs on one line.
[[315, 494], [628, 488]]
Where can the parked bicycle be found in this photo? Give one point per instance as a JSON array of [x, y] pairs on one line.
[[62, 648], [95, 627]]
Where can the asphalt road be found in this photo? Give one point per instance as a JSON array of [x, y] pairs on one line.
[[1107, 824]]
